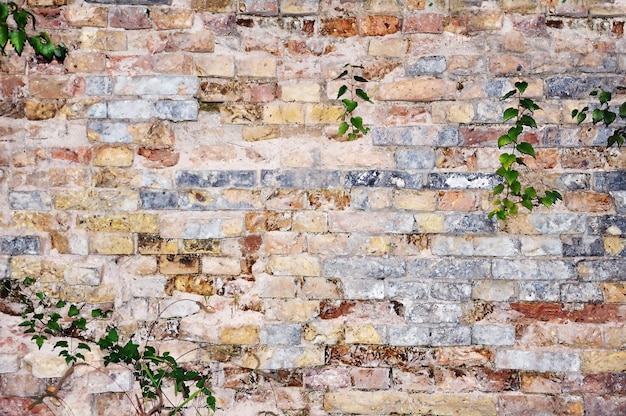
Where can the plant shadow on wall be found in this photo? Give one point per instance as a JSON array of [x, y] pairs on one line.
[[14, 24], [77, 328]]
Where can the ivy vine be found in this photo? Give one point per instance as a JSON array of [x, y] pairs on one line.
[[603, 114], [13, 23], [352, 125]]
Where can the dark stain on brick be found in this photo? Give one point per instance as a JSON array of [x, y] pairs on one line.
[[335, 309], [555, 24]]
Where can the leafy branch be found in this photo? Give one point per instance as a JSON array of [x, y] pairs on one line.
[[351, 124], [14, 31], [511, 191], [603, 114]]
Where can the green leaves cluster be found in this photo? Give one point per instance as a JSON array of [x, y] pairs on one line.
[[604, 115], [68, 323], [510, 192], [352, 125], [14, 31]]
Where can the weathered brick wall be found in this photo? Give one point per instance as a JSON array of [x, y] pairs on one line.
[[184, 150]]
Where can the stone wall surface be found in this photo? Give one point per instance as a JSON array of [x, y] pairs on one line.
[[187, 150]]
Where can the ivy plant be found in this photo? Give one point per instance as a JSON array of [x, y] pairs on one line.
[[13, 30], [352, 125], [603, 114], [511, 193], [68, 324]]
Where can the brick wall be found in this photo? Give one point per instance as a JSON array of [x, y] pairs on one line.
[[186, 150]]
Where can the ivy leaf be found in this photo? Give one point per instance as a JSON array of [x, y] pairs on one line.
[[61, 344], [498, 189], [521, 86], [529, 104], [4, 12], [510, 113], [510, 176], [507, 159], [363, 95], [73, 311], [597, 116], [18, 40], [342, 90], [581, 117], [622, 110], [359, 79], [357, 122], [604, 97], [21, 19], [608, 117], [350, 105], [530, 193], [4, 35], [526, 148], [504, 140], [616, 138], [343, 128], [528, 204], [527, 120], [343, 74], [516, 188], [508, 95]]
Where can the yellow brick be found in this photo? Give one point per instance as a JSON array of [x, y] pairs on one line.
[[185, 264], [320, 288], [429, 223], [255, 66], [310, 221], [232, 228], [614, 245], [603, 361], [296, 265], [292, 310], [419, 89], [615, 337], [165, 18], [323, 114], [395, 47], [362, 334], [154, 244], [454, 112], [44, 271], [256, 133], [215, 66], [378, 246], [205, 246], [454, 404], [247, 334], [101, 294], [113, 156], [130, 223], [415, 200], [300, 91], [78, 16], [283, 114], [367, 402], [104, 40], [111, 244], [614, 292]]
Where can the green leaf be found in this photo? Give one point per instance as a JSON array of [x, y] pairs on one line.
[[527, 120], [18, 40], [363, 95], [593, 93], [616, 138], [343, 74], [73, 311], [343, 128], [530, 193], [4, 35], [574, 113], [604, 97], [83, 346], [529, 104], [357, 122], [507, 159], [28, 281], [96, 313], [622, 110], [60, 304], [581, 117], [4, 12], [510, 113], [526, 148], [521, 86], [508, 95], [511, 176], [504, 140], [359, 79], [498, 189], [350, 105], [608, 117], [516, 188], [39, 340], [342, 90], [597, 116], [61, 344], [21, 19], [528, 204]]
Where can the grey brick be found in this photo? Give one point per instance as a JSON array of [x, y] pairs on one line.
[[407, 336], [563, 86], [416, 158], [214, 202], [493, 290], [30, 201], [111, 132], [181, 110], [446, 245], [575, 181], [601, 270], [448, 136], [532, 269], [204, 229], [301, 178], [447, 336], [98, 110], [364, 267], [538, 361], [419, 312], [9, 363], [281, 334], [404, 289], [487, 334], [460, 223], [427, 65], [158, 199], [363, 289], [461, 180], [497, 87], [558, 223], [384, 179], [606, 225], [401, 136], [446, 268], [130, 109], [156, 85], [541, 291], [583, 246], [15, 246], [581, 292], [451, 291], [287, 357], [610, 181], [216, 179], [619, 199], [488, 112], [495, 246], [98, 85], [4, 267]]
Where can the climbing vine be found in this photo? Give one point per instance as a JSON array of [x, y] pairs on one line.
[[511, 193], [352, 125], [72, 327], [603, 114], [13, 31]]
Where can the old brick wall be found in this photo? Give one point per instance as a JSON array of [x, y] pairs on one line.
[[185, 151]]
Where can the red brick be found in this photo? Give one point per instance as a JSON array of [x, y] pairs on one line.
[[130, 65], [520, 405], [472, 136], [458, 201], [250, 244], [379, 25], [599, 384], [340, 27], [583, 158], [20, 406], [546, 383], [129, 18], [11, 87], [556, 312], [605, 405], [326, 378], [161, 157], [79, 155], [588, 202], [423, 23]]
